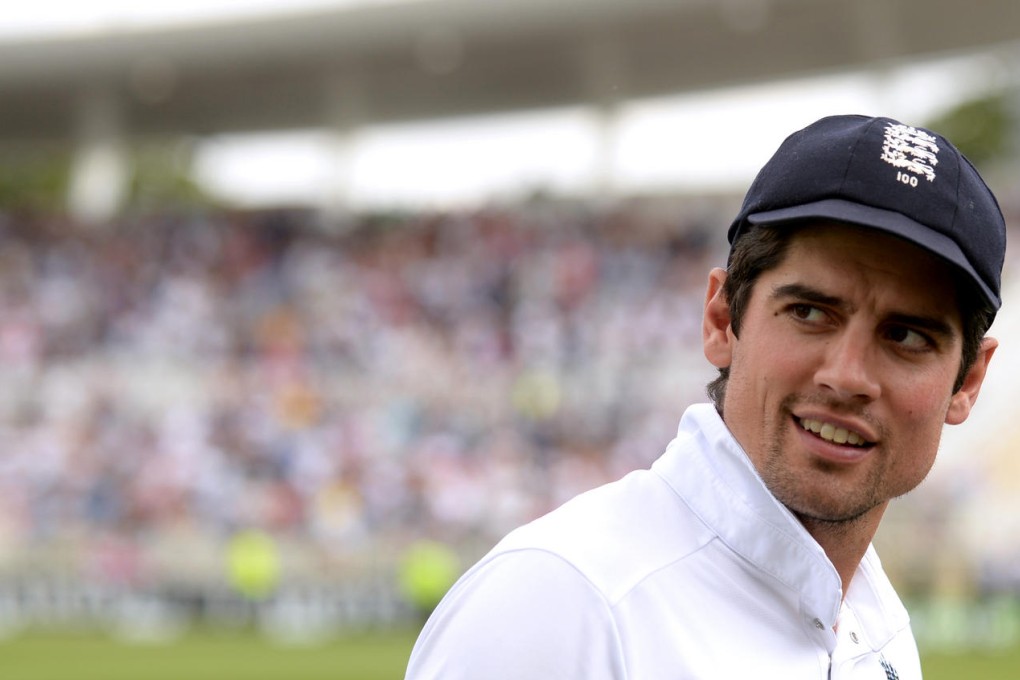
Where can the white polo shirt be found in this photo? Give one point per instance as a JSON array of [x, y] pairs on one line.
[[688, 570]]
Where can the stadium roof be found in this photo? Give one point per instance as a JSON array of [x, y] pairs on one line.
[[441, 58]]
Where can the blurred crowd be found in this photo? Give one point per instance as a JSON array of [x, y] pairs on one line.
[[180, 390], [174, 380]]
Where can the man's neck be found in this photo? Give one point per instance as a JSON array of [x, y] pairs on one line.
[[845, 542]]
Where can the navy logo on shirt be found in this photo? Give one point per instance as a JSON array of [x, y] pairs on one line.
[[890, 672]]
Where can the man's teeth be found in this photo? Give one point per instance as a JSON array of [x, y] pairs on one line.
[[831, 433]]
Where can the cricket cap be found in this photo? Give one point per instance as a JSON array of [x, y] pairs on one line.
[[882, 174]]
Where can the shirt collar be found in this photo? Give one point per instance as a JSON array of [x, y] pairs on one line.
[[709, 470]]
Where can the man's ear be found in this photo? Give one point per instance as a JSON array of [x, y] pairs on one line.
[[963, 401], [716, 334]]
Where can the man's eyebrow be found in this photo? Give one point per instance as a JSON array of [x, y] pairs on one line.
[[807, 294], [932, 325]]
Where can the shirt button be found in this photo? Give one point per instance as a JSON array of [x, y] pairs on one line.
[[853, 637], [818, 624]]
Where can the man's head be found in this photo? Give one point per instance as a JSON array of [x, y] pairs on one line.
[[883, 175], [843, 374]]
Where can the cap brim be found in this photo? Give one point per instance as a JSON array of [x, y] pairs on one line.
[[889, 221]]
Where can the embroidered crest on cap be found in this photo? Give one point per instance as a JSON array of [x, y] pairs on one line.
[[912, 150]]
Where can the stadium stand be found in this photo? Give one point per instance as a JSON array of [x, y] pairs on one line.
[[176, 380]]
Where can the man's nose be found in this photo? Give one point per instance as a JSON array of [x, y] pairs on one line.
[[849, 367]]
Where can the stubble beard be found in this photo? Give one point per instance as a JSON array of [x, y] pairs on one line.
[[806, 494]]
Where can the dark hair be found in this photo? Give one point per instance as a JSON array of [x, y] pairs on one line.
[[763, 249]]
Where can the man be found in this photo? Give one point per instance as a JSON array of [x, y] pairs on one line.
[[849, 326]]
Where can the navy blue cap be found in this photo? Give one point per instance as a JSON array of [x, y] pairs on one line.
[[880, 173]]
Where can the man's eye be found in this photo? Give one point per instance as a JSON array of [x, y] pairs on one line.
[[908, 338], [806, 312]]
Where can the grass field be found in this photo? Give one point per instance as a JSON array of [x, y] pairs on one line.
[[228, 656], [208, 656], [1003, 664]]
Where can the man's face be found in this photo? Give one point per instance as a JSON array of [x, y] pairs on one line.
[[842, 376]]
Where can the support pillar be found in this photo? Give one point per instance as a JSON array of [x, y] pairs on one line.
[[100, 167]]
